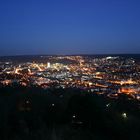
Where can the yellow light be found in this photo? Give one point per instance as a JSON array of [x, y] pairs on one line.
[[90, 83]]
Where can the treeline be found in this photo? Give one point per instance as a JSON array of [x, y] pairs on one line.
[[66, 114]]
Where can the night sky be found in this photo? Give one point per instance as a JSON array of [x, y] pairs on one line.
[[69, 27]]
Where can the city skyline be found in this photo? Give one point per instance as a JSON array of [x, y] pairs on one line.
[[69, 27]]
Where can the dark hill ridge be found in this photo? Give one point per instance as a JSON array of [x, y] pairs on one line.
[[42, 58]]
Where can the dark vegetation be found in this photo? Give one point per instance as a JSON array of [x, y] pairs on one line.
[[66, 114]]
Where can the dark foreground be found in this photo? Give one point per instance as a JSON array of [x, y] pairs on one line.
[[66, 114]]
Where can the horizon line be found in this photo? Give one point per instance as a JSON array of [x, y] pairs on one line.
[[18, 55]]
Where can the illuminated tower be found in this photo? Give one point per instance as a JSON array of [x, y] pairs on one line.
[[48, 65]]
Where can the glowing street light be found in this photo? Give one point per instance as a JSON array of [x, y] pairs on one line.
[[52, 104], [73, 116], [107, 105], [124, 115]]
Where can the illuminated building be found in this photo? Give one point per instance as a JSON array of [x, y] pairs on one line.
[[48, 65]]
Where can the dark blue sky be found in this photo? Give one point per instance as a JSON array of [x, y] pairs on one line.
[[69, 26]]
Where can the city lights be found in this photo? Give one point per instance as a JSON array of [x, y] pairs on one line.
[[104, 75]]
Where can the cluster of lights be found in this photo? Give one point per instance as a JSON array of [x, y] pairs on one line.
[[98, 74]]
